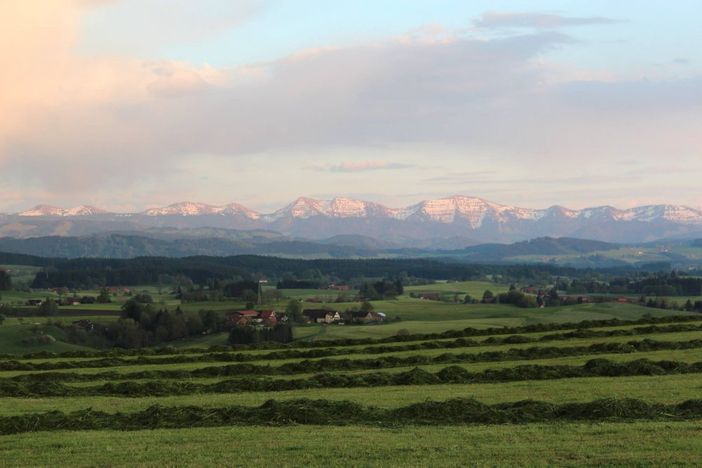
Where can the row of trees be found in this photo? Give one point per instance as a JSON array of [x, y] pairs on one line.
[[659, 284], [281, 333], [141, 325]]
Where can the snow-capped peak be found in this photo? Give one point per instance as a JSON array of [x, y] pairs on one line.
[[679, 214], [303, 208], [471, 211], [48, 210], [182, 209], [474, 210], [237, 209], [84, 210], [43, 210]]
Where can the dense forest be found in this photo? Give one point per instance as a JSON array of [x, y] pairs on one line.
[[90, 273], [657, 284]]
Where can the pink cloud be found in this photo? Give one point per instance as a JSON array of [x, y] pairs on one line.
[[361, 166]]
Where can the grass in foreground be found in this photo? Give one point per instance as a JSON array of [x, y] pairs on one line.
[[655, 443]]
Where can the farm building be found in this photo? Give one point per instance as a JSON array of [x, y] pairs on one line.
[[367, 317], [321, 315]]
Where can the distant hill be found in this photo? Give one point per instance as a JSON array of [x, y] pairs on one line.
[[543, 246], [580, 253], [130, 246]]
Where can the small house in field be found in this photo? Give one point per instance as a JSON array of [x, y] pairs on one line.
[[429, 296], [339, 287], [241, 318], [84, 324], [367, 317], [321, 315], [34, 302]]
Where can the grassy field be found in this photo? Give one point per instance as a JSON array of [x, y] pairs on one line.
[[406, 314], [654, 443], [673, 376]]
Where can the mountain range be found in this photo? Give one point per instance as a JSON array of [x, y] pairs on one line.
[[451, 222]]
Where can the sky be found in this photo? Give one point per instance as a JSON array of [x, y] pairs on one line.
[[131, 104]]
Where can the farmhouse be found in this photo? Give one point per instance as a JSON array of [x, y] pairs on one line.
[[269, 318], [241, 317], [367, 317], [84, 324], [264, 318], [429, 296], [321, 315]]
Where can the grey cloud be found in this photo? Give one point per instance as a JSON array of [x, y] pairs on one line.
[[496, 19], [484, 94], [362, 166]]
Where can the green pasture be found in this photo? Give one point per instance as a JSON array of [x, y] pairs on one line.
[[433, 317], [567, 444], [16, 335], [474, 288]]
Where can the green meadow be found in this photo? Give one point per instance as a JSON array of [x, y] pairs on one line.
[[80, 404]]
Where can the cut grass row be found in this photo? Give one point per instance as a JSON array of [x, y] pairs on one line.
[[383, 362], [425, 350], [458, 411], [655, 331], [659, 389], [455, 333], [685, 356], [416, 376]]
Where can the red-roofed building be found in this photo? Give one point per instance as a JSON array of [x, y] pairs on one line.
[[270, 319]]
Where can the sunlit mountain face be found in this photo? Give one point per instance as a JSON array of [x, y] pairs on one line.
[[456, 216]]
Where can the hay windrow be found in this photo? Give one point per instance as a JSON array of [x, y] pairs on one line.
[[451, 374], [582, 330], [457, 411]]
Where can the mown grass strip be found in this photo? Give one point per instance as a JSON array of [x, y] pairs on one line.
[[467, 332], [337, 413], [321, 353], [383, 362], [416, 376]]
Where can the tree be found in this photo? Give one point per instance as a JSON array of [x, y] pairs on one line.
[[48, 307], [144, 298], [488, 296], [133, 309], [103, 297], [5, 280], [2, 318], [367, 307], [294, 311]]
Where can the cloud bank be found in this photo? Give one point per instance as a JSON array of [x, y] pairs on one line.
[[70, 122]]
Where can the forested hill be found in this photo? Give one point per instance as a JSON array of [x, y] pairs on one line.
[[117, 245], [9, 258], [86, 273], [546, 246]]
